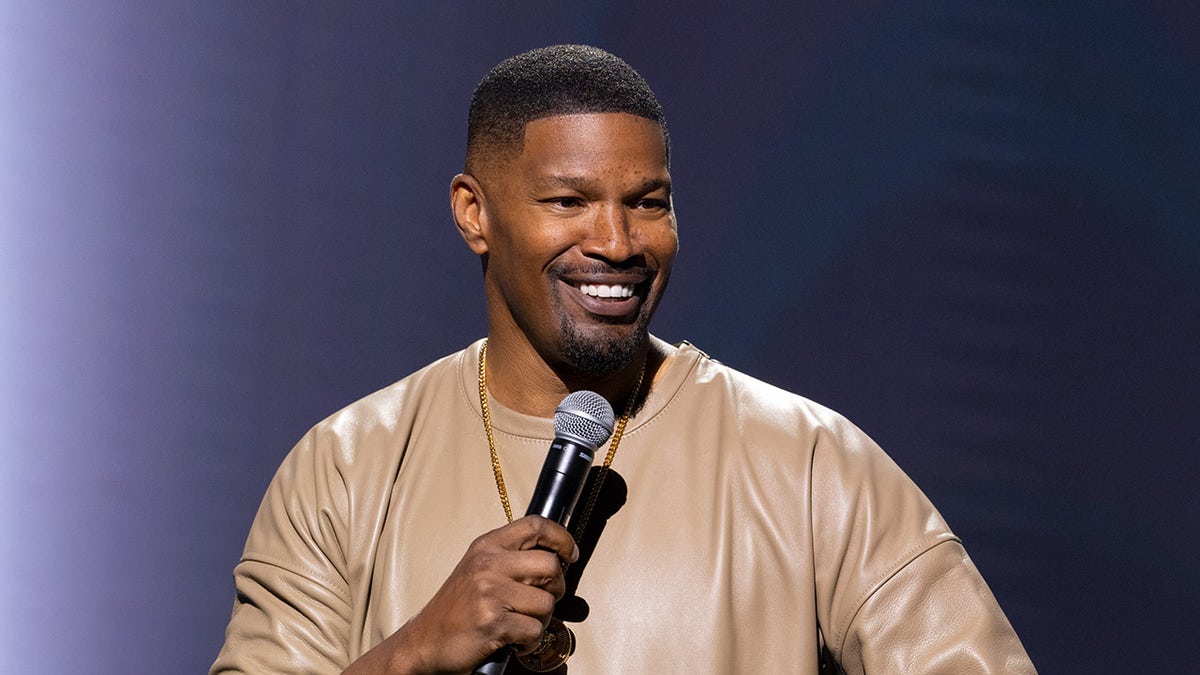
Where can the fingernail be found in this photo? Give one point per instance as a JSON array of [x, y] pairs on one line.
[[575, 553]]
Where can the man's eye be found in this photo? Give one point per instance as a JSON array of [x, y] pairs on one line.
[[654, 205], [565, 202]]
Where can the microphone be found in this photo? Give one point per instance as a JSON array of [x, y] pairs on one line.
[[582, 422]]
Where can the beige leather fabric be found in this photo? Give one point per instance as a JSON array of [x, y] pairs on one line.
[[752, 514]]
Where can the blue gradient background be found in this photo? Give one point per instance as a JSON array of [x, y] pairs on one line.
[[970, 226]]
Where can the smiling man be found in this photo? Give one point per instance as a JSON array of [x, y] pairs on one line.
[[739, 528], [577, 238]]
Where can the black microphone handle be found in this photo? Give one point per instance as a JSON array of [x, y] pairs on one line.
[[561, 481], [558, 488]]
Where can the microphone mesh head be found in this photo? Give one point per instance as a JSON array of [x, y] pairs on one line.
[[584, 416]]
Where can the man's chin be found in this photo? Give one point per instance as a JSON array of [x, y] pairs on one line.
[[604, 351]]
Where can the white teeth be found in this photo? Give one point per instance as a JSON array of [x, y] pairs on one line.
[[607, 290]]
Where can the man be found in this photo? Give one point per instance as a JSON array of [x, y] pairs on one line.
[[739, 528]]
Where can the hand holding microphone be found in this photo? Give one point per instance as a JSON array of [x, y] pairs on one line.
[[506, 585], [582, 422]]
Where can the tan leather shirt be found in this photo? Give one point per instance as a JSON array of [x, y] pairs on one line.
[[752, 517]]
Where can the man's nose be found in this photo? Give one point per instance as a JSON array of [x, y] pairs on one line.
[[610, 236]]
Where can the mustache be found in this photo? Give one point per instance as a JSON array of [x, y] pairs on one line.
[[635, 268]]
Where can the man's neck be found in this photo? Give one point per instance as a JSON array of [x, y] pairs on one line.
[[520, 380]]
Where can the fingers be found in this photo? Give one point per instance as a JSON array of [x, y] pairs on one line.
[[540, 569], [532, 551], [539, 532], [525, 561], [503, 591], [530, 609]]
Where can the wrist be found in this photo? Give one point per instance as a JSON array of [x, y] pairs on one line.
[[397, 655]]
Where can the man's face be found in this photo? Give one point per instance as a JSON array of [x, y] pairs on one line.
[[580, 238]]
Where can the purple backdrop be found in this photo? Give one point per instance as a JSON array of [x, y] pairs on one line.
[[970, 226]]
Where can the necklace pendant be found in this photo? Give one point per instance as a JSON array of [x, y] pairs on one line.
[[556, 645]]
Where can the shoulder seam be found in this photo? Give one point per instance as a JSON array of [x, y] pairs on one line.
[[910, 556]]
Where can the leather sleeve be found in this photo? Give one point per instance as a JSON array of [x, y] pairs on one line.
[[292, 608], [896, 592], [936, 615]]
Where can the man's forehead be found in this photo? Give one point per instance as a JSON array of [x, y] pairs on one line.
[[594, 136], [576, 144]]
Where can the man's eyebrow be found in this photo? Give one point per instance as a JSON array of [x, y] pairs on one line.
[[652, 184], [563, 181], [583, 184]]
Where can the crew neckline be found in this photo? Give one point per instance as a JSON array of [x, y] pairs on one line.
[[674, 374]]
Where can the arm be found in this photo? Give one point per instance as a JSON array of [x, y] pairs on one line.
[[502, 592], [896, 592], [294, 608], [935, 615]]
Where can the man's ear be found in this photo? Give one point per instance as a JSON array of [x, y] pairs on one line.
[[466, 203]]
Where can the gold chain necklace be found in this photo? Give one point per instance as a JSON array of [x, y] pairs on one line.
[[618, 432], [557, 643]]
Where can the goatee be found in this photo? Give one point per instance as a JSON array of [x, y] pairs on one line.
[[601, 354]]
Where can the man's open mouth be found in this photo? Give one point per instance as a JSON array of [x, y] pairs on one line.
[[610, 298], [607, 290]]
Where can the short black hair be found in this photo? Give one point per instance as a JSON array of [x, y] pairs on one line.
[[555, 80]]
